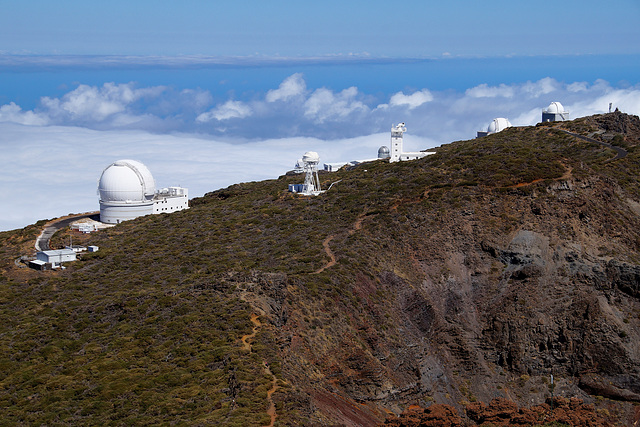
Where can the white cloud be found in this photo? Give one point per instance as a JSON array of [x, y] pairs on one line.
[[412, 101], [527, 118], [294, 110], [13, 113], [578, 87], [324, 105], [486, 91], [226, 111], [198, 98], [627, 100], [91, 103], [541, 87], [292, 86]]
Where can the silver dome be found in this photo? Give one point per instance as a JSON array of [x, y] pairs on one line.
[[383, 152]]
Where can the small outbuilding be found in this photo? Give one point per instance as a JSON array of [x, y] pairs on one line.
[[56, 257], [332, 167], [37, 264]]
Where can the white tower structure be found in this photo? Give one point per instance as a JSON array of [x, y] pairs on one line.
[[555, 112], [397, 133], [311, 181]]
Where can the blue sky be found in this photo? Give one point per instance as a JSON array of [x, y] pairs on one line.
[[414, 28]]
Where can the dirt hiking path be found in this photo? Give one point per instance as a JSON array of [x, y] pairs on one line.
[[246, 345], [329, 253], [357, 225]]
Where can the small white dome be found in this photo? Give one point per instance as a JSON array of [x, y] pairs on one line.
[[555, 108], [311, 157], [126, 180], [498, 125]]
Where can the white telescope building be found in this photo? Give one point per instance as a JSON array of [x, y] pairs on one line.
[[497, 125], [555, 112], [127, 190]]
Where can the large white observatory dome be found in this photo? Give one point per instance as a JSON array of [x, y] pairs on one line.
[[126, 181], [498, 125], [555, 108]]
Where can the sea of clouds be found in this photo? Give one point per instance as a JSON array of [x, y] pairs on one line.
[[54, 153]]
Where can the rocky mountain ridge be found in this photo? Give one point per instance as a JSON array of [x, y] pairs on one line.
[[477, 273]]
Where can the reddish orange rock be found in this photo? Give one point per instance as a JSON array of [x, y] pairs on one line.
[[436, 415]]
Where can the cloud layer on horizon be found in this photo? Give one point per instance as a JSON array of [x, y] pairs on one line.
[[56, 151], [294, 109]]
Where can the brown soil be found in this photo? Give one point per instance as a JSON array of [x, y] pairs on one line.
[[271, 411], [245, 338], [330, 254], [272, 406], [503, 412]]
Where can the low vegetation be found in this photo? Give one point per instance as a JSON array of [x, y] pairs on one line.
[[148, 330]]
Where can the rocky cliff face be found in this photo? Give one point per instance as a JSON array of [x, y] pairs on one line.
[[487, 293]]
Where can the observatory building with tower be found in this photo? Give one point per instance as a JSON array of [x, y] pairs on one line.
[[127, 190], [397, 153]]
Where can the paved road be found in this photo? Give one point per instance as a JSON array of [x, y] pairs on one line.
[[42, 242], [621, 153]]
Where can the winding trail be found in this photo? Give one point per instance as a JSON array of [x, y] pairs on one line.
[[565, 176], [620, 154], [272, 405], [246, 345], [245, 338], [357, 225], [329, 253]]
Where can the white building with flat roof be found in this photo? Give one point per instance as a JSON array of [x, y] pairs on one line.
[[170, 199], [56, 257]]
